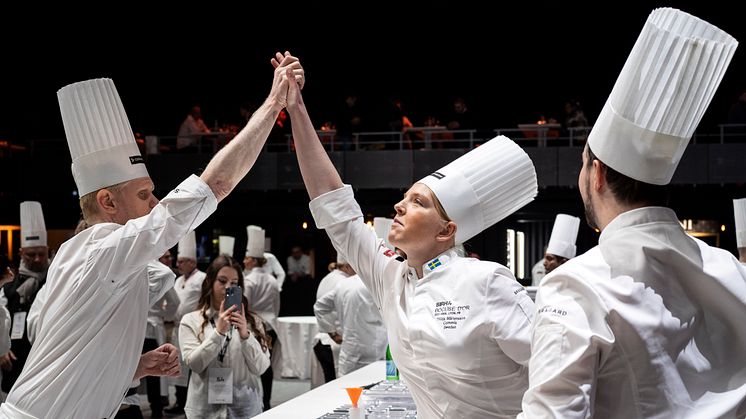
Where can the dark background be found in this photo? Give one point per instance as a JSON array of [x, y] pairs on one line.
[[512, 61]]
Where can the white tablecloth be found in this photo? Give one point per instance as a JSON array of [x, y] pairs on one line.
[[296, 336], [328, 397]]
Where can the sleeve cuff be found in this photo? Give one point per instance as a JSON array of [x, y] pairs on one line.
[[335, 207]]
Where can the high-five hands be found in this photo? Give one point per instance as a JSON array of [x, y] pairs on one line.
[[283, 63]]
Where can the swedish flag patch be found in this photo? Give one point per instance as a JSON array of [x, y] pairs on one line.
[[434, 264]]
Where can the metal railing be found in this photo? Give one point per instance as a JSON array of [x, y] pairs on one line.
[[414, 138]]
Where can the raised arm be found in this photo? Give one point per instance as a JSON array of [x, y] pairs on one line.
[[233, 162], [319, 174]]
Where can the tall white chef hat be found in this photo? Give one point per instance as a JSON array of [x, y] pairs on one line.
[[188, 246], [33, 228], [255, 243], [225, 245], [382, 225], [102, 146], [564, 234], [660, 96], [739, 213], [484, 186]]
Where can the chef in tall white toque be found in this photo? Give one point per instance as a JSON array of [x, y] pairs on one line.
[[649, 323]]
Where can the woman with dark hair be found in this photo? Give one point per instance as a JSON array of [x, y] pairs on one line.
[[225, 345]]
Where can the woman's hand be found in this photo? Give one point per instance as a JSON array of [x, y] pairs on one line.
[[223, 325], [239, 320]]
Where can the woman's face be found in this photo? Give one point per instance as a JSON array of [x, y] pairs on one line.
[[227, 277], [249, 262], [417, 221]]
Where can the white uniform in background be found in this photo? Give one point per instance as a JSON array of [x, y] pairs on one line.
[[649, 323], [189, 289], [537, 272], [350, 305], [274, 267], [301, 266], [163, 310], [327, 284], [263, 293], [89, 333], [460, 335], [200, 348]]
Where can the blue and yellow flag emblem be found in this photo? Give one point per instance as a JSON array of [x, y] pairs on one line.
[[434, 264]]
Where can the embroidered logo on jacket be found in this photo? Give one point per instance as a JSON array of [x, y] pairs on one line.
[[434, 264]]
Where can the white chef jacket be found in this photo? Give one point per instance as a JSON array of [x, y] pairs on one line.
[[189, 289], [274, 267], [537, 272], [263, 293], [460, 335], [648, 324], [163, 309], [4, 331], [90, 330], [246, 358], [301, 266], [327, 284], [363, 334]]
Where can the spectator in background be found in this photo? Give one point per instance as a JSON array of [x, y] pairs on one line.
[[21, 293], [299, 264], [460, 117], [6, 276], [190, 130], [575, 118], [278, 137], [350, 121], [214, 338]]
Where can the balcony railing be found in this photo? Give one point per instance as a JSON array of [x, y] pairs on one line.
[[414, 138]]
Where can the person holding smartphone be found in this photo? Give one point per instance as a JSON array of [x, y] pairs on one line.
[[225, 346]]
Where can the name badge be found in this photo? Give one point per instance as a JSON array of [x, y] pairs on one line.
[[19, 325], [220, 386]]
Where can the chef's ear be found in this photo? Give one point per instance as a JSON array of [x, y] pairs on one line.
[[105, 201], [598, 175], [448, 232]]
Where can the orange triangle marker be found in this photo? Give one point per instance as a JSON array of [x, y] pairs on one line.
[[354, 393]]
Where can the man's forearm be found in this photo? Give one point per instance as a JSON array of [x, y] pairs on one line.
[[233, 162]]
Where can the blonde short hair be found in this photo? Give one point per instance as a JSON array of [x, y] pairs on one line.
[[88, 204]]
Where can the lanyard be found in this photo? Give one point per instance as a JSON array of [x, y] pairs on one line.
[[224, 349]]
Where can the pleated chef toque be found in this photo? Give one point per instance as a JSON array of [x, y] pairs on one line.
[[188, 246], [660, 96], [564, 234], [255, 243], [33, 228], [382, 225], [739, 213], [225, 245], [484, 186], [102, 145]]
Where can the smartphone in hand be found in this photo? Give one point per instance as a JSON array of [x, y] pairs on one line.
[[233, 297]]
